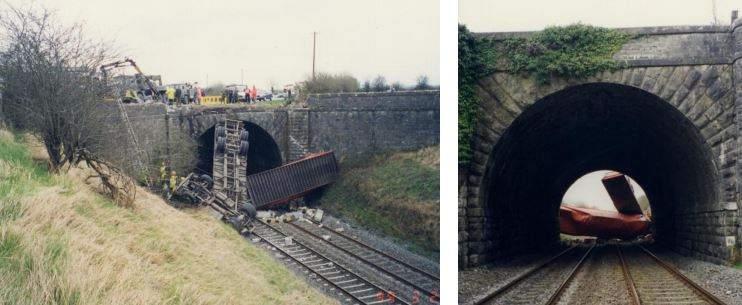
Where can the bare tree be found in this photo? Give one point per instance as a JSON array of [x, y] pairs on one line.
[[51, 87], [422, 83], [397, 86], [328, 83], [379, 84]]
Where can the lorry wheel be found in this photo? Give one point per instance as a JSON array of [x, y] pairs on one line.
[[220, 131], [249, 210], [207, 180], [244, 148], [221, 145]]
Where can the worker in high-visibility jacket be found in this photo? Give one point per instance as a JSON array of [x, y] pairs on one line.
[[173, 181], [163, 178], [170, 92], [130, 96]]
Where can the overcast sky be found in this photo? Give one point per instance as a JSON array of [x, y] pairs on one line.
[[590, 191], [528, 15], [271, 40]]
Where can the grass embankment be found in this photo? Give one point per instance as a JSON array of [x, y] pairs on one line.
[[62, 243], [396, 194]]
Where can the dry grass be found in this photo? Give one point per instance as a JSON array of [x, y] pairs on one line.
[[61, 243]]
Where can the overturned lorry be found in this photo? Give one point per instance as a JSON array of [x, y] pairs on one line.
[[627, 222], [237, 196]]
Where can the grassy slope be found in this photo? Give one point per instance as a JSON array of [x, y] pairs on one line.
[[396, 194], [61, 243]]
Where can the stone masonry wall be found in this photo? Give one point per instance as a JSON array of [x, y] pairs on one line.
[[356, 124], [696, 69], [351, 124]]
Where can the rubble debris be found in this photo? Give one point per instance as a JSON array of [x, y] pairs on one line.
[[256, 239], [313, 214], [326, 237], [318, 215], [266, 214], [339, 229], [288, 240]]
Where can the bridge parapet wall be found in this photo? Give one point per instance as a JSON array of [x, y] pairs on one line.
[[355, 124], [352, 124], [666, 46]]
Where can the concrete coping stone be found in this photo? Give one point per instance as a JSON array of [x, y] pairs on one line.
[[655, 30], [375, 94]]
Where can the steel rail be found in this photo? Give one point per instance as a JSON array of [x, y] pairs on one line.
[[522, 276], [631, 286], [675, 272], [554, 299], [345, 291], [365, 245], [375, 266]]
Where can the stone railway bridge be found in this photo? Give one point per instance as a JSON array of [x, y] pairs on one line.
[[670, 119], [352, 124]]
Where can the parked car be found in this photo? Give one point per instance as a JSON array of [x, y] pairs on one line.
[[240, 91], [265, 96]]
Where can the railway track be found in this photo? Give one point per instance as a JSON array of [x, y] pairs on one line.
[[354, 288], [540, 283], [408, 283], [648, 281], [652, 281], [365, 247], [415, 277]]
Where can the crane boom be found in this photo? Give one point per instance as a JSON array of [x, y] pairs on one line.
[[130, 62]]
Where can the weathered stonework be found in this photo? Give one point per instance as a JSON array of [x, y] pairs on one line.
[[681, 88], [351, 124]]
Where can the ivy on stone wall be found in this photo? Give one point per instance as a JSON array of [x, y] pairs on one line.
[[475, 62], [574, 51]]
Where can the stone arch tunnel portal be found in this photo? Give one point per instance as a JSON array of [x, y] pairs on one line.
[[582, 129], [262, 155]]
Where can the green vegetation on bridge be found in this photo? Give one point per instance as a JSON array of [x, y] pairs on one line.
[[572, 52]]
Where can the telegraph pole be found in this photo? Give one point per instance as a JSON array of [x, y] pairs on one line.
[[314, 51]]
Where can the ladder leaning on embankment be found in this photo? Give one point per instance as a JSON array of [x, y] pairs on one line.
[[139, 164]]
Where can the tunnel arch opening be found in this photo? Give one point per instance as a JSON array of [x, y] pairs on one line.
[[582, 129], [263, 154]]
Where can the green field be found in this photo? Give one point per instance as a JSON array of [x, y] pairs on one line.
[[394, 194]]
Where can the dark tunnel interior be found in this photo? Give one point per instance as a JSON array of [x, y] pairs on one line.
[[262, 155], [586, 128]]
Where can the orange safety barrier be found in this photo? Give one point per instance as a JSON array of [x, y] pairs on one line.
[[213, 100]]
